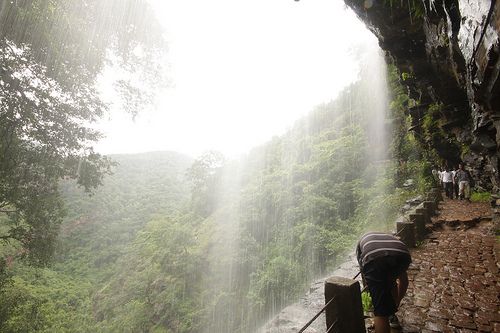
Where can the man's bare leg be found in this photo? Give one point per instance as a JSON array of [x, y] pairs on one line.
[[382, 324], [399, 290]]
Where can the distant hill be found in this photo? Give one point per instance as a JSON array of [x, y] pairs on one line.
[[141, 186]]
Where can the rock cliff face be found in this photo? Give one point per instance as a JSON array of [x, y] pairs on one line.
[[449, 55]]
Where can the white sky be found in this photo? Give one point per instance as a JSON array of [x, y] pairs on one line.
[[241, 72]]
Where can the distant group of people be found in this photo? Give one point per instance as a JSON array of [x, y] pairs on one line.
[[456, 183]]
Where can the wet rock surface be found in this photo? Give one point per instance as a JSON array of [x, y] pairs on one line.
[[450, 53], [295, 316], [454, 277]]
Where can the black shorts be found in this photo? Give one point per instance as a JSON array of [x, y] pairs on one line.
[[380, 275]]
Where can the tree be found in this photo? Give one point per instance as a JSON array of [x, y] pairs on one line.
[[51, 54], [205, 175], [75, 39]]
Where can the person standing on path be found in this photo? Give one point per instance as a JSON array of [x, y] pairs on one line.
[[447, 179], [440, 176], [455, 183], [436, 174], [463, 178], [383, 260]]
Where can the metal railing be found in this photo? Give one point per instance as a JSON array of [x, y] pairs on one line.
[[316, 316]]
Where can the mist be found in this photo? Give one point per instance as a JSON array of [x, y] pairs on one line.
[[238, 74]]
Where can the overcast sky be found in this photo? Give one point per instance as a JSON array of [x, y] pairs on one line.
[[241, 72]]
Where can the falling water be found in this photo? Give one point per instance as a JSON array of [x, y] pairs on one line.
[[273, 227], [373, 96], [378, 104]]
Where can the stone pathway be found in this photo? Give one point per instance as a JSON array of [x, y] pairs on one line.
[[454, 277]]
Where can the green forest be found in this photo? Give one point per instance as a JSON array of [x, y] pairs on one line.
[[163, 242]]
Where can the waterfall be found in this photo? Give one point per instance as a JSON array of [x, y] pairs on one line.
[[372, 96], [291, 209], [377, 88]]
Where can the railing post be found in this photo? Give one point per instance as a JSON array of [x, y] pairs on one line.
[[345, 313], [406, 232], [421, 210], [436, 191], [419, 222], [430, 206]]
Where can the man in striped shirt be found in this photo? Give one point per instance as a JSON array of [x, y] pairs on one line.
[[383, 260]]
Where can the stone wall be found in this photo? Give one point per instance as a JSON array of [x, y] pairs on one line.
[[495, 204], [413, 225]]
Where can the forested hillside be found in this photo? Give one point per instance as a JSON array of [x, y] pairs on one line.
[[97, 233], [170, 244]]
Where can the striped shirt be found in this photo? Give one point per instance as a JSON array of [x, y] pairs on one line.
[[376, 244]]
